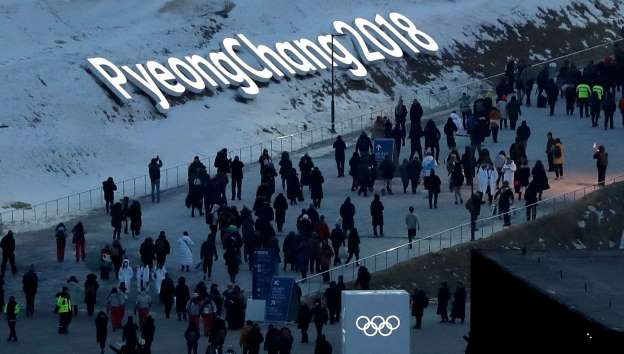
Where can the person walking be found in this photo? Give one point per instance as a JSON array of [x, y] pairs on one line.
[[473, 205], [583, 92], [208, 255], [182, 296], [167, 294], [304, 317], [316, 187], [237, 177], [337, 238], [11, 311], [116, 304], [514, 111], [319, 317], [458, 310], [101, 330], [162, 249], [444, 296], [363, 278], [30, 284], [550, 145], [376, 212], [109, 189], [432, 139], [353, 245], [154, 173], [91, 287], [505, 198], [347, 213], [280, 205], [147, 333], [75, 292], [116, 214], [79, 240], [412, 224], [142, 306], [64, 310], [456, 181], [420, 301], [387, 171], [609, 107], [433, 188], [552, 94], [185, 252], [339, 153], [530, 199], [61, 241], [558, 158], [7, 244], [602, 161]]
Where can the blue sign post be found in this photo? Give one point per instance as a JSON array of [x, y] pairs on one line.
[[263, 271], [279, 301], [383, 148]]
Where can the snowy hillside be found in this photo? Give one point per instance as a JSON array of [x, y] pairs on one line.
[[64, 133]]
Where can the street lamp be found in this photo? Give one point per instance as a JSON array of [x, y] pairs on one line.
[[333, 104]]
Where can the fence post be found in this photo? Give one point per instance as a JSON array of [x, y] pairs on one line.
[[67, 204], [177, 180], [90, 200], [134, 187], [145, 184]]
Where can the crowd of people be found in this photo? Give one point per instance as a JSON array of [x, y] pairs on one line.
[[315, 245]]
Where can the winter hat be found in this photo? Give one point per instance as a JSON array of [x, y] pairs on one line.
[[185, 233], [72, 279]]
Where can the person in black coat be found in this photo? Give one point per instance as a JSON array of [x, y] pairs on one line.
[[182, 296], [413, 173], [363, 174], [514, 110], [570, 98], [523, 133], [432, 139], [147, 333], [319, 317], [332, 299], [272, 340], [293, 188], [91, 287], [7, 244], [322, 346], [459, 303], [304, 317], [415, 113], [339, 154], [387, 172], [30, 283], [280, 205], [433, 189], [420, 301], [505, 198], [337, 238], [208, 255], [363, 279], [552, 94], [237, 177], [595, 105], [129, 335], [376, 212], [162, 249], [109, 189], [101, 330], [154, 174], [530, 199], [397, 135], [116, 214], [449, 130], [364, 145], [286, 166], [305, 166], [316, 187], [353, 245], [347, 213], [221, 162], [540, 178], [414, 135], [147, 250], [353, 170], [609, 107], [167, 294], [444, 295], [400, 115]]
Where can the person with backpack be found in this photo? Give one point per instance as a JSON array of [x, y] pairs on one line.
[[602, 161], [61, 241], [109, 189], [154, 173], [558, 158]]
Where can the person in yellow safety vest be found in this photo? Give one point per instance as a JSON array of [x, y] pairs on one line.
[[583, 92], [12, 310], [599, 90], [64, 310]]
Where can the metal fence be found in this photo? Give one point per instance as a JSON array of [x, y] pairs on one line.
[[434, 99], [438, 241]]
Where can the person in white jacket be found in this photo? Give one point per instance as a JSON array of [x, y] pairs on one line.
[[143, 277], [125, 275], [159, 276], [509, 170], [487, 176], [185, 252]]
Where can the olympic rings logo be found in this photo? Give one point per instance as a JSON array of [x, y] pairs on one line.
[[377, 325]]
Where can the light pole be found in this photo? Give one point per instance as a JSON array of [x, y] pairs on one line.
[[333, 104]]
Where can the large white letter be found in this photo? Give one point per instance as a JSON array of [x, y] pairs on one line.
[[186, 76], [163, 76], [390, 48], [306, 45], [199, 63], [144, 82], [262, 53], [416, 35], [344, 58], [228, 46], [236, 74], [406, 44], [300, 63], [367, 55], [112, 82]]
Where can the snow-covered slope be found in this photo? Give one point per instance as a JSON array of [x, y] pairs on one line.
[[65, 133]]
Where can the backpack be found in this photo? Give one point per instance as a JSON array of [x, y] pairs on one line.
[[557, 151]]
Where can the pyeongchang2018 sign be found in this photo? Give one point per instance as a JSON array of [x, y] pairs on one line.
[[374, 41]]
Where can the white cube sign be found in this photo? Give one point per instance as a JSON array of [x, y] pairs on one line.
[[376, 322]]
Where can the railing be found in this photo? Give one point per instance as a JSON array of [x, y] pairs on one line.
[[433, 99], [444, 239]]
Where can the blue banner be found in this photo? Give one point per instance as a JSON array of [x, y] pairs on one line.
[[263, 270], [279, 301], [383, 148]]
